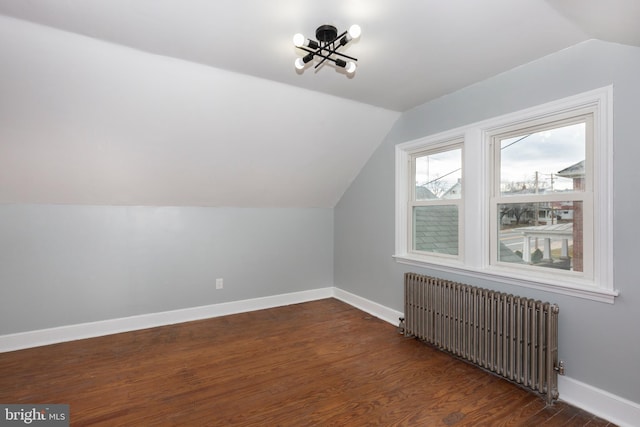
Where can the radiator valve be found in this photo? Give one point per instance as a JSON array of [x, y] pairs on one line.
[[560, 367], [401, 326]]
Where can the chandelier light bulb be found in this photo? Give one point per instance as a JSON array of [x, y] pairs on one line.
[[355, 31], [350, 68], [299, 64], [298, 40]]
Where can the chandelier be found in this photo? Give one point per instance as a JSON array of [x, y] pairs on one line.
[[326, 47]]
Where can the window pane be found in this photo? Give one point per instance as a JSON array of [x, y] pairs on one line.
[[541, 234], [543, 162], [435, 229], [438, 176]]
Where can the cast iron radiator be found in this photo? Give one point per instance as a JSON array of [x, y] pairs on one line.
[[514, 337]]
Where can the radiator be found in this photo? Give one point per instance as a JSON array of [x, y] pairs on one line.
[[514, 337]]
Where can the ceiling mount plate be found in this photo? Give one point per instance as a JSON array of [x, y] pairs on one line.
[[326, 33]]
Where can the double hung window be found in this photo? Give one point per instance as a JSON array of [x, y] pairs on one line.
[[435, 201], [524, 198], [542, 195]]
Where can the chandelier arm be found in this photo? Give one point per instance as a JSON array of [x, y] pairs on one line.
[[345, 56], [334, 50], [324, 58], [331, 59], [317, 52], [306, 49], [337, 38], [320, 54]]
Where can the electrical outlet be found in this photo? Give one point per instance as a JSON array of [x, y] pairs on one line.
[[219, 283]]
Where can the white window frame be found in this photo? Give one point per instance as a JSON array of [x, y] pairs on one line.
[[586, 196], [434, 148], [475, 258]]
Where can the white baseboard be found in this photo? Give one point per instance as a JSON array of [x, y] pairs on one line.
[[380, 311], [80, 331], [41, 337], [599, 402], [596, 401]]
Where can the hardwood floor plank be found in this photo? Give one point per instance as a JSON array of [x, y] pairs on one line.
[[319, 363]]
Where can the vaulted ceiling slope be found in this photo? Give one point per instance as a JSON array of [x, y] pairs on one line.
[[197, 102], [88, 122]]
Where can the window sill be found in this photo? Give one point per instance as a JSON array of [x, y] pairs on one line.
[[575, 288]]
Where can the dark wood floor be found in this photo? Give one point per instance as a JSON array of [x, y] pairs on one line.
[[321, 363]]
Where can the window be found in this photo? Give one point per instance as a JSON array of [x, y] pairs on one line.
[[542, 193], [535, 209], [435, 200]]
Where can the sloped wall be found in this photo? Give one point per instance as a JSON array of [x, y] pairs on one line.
[[88, 122]]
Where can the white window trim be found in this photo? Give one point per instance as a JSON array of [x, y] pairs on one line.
[[439, 146], [586, 276], [476, 223]]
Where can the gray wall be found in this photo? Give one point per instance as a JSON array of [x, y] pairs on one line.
[[600, 342], [63, 265]]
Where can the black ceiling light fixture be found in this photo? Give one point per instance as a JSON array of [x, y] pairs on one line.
[[326, 47]]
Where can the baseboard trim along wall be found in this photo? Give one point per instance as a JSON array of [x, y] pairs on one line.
[[42, 337], [616, 409], [380, 311], [599, 402]]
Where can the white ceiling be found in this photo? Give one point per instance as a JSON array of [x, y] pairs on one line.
[[197, 102], [410, 52]]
